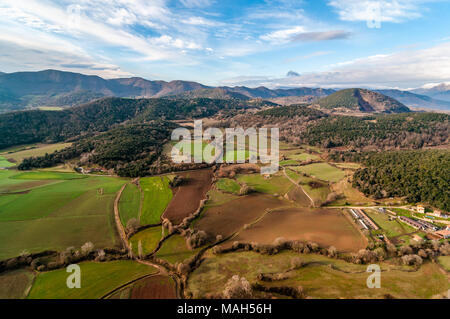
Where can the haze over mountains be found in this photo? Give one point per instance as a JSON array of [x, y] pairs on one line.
[[23, 90]]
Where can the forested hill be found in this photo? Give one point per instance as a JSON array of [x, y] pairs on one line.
[[420, 176], [390, 131], [129, 150], [53, 126], [362, 100]]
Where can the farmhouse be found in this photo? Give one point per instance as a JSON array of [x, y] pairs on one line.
[[438, 213], [421, 209]]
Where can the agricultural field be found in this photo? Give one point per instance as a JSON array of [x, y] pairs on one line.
[[326, 227], [152, 287], [47, 210], [97, 280], [350, 194], [157, 195], [15, 284], [188, 195], [4, 163], [17, 154], [445, 262], [275, 185], [298, 196], [230, 217], [130, 203], [317, 277], [228, 185], [149, 239], [322, 171], [174, 249], [301, 157]]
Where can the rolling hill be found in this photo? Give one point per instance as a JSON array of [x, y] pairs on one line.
[[23, 90], [361, 100], [416, 100]]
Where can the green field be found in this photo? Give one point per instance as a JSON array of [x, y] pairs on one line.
[[228, 185], [232, 156], [303, 157], [4, 163], [149, 238], [44, 175], [276, 184], [55, 214], [18, 153], [323, 171], [15, 284], [129, 204], [319, 280], [288, 162], [157, 195], [195, 148], [175, 250], [97, 279]]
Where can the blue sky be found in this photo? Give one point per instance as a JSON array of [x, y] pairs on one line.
[[329, 43]]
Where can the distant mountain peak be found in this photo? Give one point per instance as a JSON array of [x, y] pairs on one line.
[[292, 74]]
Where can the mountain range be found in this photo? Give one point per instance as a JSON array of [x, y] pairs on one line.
[[23, 90]]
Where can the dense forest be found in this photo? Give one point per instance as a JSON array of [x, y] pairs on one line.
[[128, 150], [295, 110], [420, 176], [413, 130], [27, 127], [302, 125]]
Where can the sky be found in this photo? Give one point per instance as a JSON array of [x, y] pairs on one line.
[[324, 43]]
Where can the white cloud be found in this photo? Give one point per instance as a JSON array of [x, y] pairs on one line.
[[378, 10], [195, 3], [282, 36], [404, 69]]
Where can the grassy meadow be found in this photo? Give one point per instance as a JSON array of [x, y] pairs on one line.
[[130, 203], [228, 185], [17, 154], [317, 277], [323, 171], [149, 238], [157, 195], [174, 249], [47, 210], [97, 279]]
